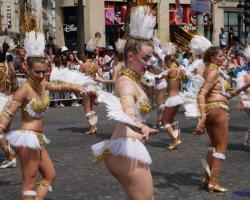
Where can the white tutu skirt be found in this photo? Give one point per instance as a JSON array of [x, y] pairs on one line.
[[25, 138], [127, 147], [191, 109], [174, 101], [162, 85], [190, 105]]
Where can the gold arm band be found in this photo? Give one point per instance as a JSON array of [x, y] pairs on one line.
[[67, 87], [5, 118], [13, 101]]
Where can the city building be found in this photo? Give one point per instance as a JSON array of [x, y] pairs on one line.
[[106, 18], [9, 17], [48, 15], [12, 11]]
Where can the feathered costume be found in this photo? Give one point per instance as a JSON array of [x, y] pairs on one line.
[[6, 43], [198, 45], [141, 27]]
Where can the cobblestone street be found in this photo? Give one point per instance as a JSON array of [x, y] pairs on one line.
[[176, 174]]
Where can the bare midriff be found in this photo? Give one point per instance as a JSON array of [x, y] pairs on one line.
[[123, 131], [31, 124]]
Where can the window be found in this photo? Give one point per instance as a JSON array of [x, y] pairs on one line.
[[231, 20]]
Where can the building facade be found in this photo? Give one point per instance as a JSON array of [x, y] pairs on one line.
[[97, 19], [11, 12], [10, 17]]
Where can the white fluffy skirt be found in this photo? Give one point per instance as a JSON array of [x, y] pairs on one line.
[[25, 138], [162, 85], [127, 147], [191, 109], [174, 101]]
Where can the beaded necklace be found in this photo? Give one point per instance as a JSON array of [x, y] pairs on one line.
[[131, 74]]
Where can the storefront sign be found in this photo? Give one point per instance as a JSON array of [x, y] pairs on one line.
[[183, 15], [115, 13], [202, 6], [8, 16], [69, 28]]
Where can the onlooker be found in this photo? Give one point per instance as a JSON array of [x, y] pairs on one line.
[[54, 47], [222, 38], [231, 36], [20, 64]]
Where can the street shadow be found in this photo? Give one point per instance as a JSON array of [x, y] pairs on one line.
[[236, 147], [176, 180], [74, 129], [4, 183], [162, 144], [237, 128]]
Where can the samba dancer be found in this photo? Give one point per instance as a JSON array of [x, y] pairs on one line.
[[8, 85], [29, 141], [125, 155], [213, 107]]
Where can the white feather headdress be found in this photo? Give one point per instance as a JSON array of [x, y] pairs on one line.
[[199, 44], [246, 53], [8, 40], [142, 22], [34, 44], [120, 44], [169, 48]]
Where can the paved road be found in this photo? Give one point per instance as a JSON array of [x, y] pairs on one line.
[[176, 174]]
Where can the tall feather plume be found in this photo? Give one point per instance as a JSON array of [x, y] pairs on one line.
[[142, 22], [199, 44], [34, 44]]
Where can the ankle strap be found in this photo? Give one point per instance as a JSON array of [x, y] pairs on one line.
[[30, 193], [219, 155]]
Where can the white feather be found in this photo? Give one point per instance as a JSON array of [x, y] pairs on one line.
[[34, 44], [199, 44], [91, 45], [142, 22], [246, 53], [120, 45], [114, 108], [8, 40], [169, 48], [70, 76], [240, 78]]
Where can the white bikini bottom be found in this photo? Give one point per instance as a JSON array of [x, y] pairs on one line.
[[26, 138], [174, 101], [128, 147]]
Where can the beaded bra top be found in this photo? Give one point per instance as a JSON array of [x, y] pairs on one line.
[[36, 107], [142, 105]]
